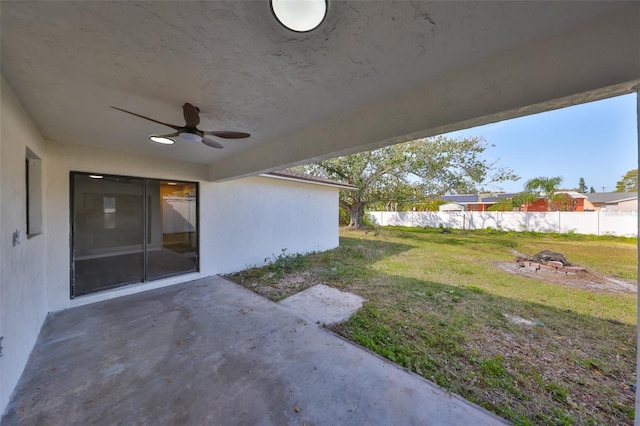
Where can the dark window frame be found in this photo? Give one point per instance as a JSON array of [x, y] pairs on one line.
[[146, 224]]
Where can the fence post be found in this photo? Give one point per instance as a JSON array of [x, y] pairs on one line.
[[559, 227]]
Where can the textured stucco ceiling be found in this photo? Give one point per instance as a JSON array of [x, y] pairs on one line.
[[376, 72]]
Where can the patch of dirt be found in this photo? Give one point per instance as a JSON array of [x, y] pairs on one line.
[[277, 288], [584, 280]]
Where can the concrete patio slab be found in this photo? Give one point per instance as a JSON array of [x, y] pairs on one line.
[[210, 352], [322, 304]]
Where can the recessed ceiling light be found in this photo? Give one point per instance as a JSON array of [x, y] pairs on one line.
[[96, 176], [171, 183], [164, 141], [299, 15]]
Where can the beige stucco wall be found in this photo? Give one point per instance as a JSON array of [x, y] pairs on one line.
[[23, 277], [65, 158], [264, 215], [624, 206], [242, 221]]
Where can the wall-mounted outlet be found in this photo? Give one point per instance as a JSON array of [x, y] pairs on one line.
[[17, 237]]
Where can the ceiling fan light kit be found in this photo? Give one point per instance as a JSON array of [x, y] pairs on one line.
[[300, 16], [191, 137], [164, 141], [190, 129]]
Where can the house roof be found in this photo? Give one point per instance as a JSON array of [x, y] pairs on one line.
[[460, 198], [610, 197], [495, 198], [365, 79], [573, 194], [303, 177], [476, 199]]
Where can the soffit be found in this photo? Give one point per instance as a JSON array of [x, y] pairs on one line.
[[69, 61]]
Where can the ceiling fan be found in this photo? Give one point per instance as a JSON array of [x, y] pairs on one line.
[[190, 130]]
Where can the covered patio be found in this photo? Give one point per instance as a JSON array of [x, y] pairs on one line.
[[373, 74], [211, 352]]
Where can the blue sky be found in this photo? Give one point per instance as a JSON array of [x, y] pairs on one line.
[[597, 141]]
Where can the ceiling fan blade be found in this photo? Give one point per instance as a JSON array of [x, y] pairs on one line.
[[228, 135], [191, 116], [170, 135], [173, 126], [211, 143]]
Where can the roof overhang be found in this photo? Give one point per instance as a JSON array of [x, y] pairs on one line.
[[621, 200], [312, 180]]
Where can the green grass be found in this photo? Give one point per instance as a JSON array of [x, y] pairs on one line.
[[437, 305]]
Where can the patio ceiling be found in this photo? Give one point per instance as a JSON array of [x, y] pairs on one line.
[[374, 73]]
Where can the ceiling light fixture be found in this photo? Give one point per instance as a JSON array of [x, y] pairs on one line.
[[96, 176], [164, 141], [300, 16]]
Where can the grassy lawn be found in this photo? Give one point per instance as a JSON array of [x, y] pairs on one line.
[[439, 305]]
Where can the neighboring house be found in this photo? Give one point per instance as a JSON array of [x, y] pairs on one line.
[[614, 201], [91, 209], [541, 205], [473, 202], [484, 202], [452, 207]]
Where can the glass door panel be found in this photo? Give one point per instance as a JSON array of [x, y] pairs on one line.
[[171, 228], [107, 232]]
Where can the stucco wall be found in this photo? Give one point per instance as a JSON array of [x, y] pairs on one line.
[[23, 304], [66, 158], [242, 222], [263, 215], [624, 206]]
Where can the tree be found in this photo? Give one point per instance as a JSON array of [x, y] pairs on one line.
[[515, 202], [533, 190], [582, 186], [410, 173], [592, 190], [548, 186], [629, 182], [562, 203]]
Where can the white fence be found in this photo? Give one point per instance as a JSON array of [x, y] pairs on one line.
[[596, 223], [178, 214]]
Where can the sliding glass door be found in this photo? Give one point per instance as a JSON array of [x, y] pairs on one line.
[[127, 230], [172, 224]]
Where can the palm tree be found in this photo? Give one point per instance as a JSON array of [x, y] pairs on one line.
[[547, 185], [532, 191]]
